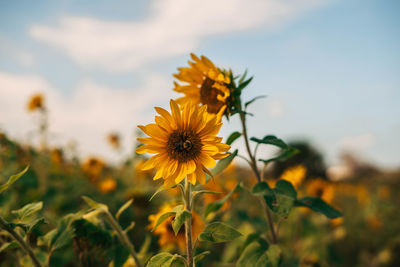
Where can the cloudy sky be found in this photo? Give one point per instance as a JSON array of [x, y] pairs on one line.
[[330, 68]]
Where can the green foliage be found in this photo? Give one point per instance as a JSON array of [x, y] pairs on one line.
[[252, 100], [284, 155], [180, 218], [12, 179], [163, 259], [270, 140], [123, 208], [318, 205], [219, 232], [232, 138], [222, 164], [28, 210]]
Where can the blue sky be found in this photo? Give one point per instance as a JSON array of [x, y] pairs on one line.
[[330, 69]]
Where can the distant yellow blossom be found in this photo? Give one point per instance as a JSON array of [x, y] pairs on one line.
[[56, 156], [107, 185], [185, 143], [295, 175], [36, 102], [321, 188], [204, 84], [93, 167]]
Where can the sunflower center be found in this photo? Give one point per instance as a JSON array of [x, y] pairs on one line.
[[183, 145], [209, 96]]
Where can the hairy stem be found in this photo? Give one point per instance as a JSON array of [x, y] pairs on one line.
[[21, 241], [259, 178], [188, 224], [122, 236]]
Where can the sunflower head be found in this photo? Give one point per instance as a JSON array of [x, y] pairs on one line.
[[36, 102], [185, 143], [295, 175], [167, 239], [203, 83], [114, 140], [107, 185], [322, 189], [93, 167]]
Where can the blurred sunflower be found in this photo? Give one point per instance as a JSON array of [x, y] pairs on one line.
[[36, 102], [107, 185], [93, 168], [322, 189], [185, 143], [114, 140], [167, 239], [56, 156], [295, 175], [204, 84]]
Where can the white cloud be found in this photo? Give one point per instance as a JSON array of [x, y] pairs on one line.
[[357, 143], [173, 27], [86, 117]]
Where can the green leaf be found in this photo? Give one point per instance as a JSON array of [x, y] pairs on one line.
[[286, 154], [270, 140], [216, 205], [252, 100], [123, 208], [179, 220], [28, 210], [233, 137], [35, 224], [163, 259], [219, 232], [270, 258], [243, 77], [94, 204], [222, 164], [251, 255], [318, 205], [286, 188], [261, 188], [12, 180], [159, 190], [201, 256], [9, 245], [162, 218]]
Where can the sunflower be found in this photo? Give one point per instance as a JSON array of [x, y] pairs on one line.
[[295, 175], [114, 140], [204, 84], [93, 168], [185, 142], [167, 239], [107, 185], [322, 189], [36, 102]]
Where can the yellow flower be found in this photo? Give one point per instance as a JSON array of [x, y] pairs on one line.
[[295, 175], [93, 167], [185, 143], [57, 156], [36, 102], [167, 239], [321, 189], [107, 185], [204, 84]]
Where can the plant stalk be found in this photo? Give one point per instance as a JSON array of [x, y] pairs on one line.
[[21, 241], [188, 224], [123, 237], [259, 178]]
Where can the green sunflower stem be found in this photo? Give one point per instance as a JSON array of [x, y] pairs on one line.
[[21, 241], [253, 164], [188, 224]]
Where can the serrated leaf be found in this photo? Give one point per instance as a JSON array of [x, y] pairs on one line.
[[318, 205], [286, 154], [270, 140], [163, 259], [12, 179], [252, 100], [179, 220], [219, 232], [123, 208], [94, 204], [222, 164], [216, 205], [201, 256], [233, 137], [28, 210]]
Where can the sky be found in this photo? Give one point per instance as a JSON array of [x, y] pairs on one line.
[[329, 68]]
